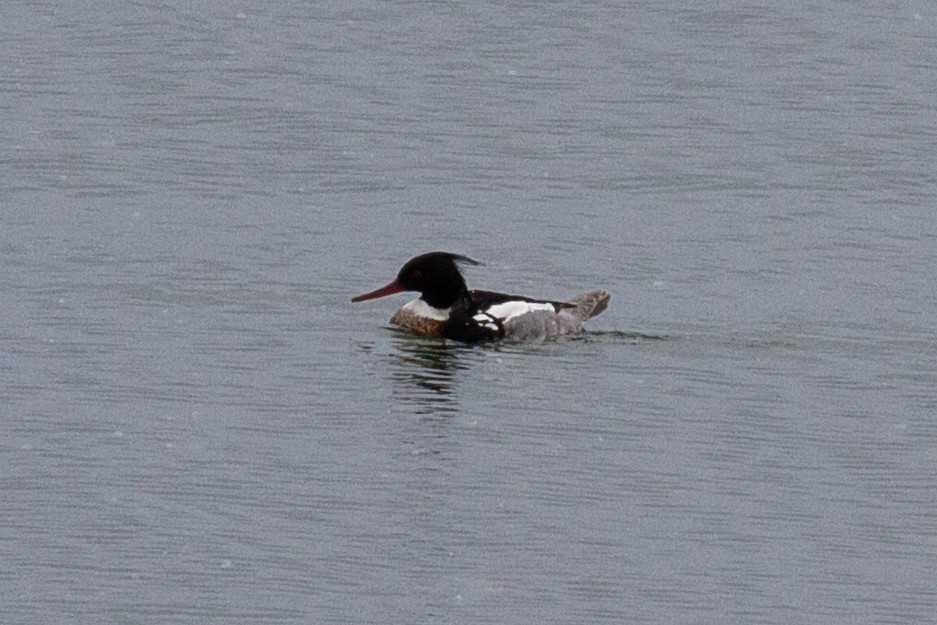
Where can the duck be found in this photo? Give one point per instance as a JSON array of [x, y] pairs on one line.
[[446, 308]]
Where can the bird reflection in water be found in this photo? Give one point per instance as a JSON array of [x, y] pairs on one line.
[[424, 372]]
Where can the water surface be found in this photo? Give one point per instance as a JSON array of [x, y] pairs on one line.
[[199, 427]]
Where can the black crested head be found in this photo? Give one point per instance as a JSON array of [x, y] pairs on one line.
[[437, 277]]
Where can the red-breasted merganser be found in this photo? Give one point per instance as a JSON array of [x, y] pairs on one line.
[[446, 308]]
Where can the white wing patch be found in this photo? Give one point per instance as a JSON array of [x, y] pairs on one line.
[[509, 310], [487, 321]]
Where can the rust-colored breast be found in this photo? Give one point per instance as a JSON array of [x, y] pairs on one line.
[[417, 324]]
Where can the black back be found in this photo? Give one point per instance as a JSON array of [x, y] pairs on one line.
[[469, 322]]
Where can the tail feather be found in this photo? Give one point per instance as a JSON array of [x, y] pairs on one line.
[[589, 304]]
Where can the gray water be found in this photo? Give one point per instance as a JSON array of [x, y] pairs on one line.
[[198, 426]]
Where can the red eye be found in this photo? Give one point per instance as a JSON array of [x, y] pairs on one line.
[[417, 274]]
